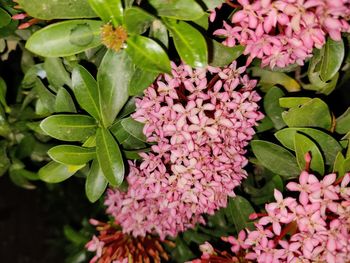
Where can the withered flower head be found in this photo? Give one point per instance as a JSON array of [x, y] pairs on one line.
[[113, 37], [112, 245]]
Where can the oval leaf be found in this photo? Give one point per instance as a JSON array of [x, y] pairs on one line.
[[113, 79], [71, 154], [141, 79], [56, 172], [276, 158], [148, 54], [69, 127], [178, 9], [272, 107], [96, 183], [65, 38], [108, 10], [86, 91], [304, 145], [56, 73], [64, 101], [137, 21], [328, 145], [134, 128], [221, 55], [189, 42], [238, 211], [62, 9], [332, 60], [343, 122], [109, 157]]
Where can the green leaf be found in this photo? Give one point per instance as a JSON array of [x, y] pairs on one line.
[[65, 38], [16, 176], [69, 127], [108, 10], [159, 32], [148, 54], [343, 122], [64, 101], [141, 79], [128, 108], [134, 128], [62, 9], [5, 18], [212, 4], [3, 89], [86, 91], [332, 60], [71, 154], [181, 252], [56, 73], [291, 102], [314, 113], [113, 79], [273, 78], [221, 55], [109, 157], [303, 145], [56, 172], [238, 211], [276, 158], [96, 183], [135, 154], [328, 145], [272, 107], [189, 43], [137, 21], [178, 9], [46, 97], [341, 165]]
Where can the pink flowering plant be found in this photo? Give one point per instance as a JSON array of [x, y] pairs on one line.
[[202, 130]]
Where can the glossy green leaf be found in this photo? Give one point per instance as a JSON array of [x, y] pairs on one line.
[[3, 90], [96, 183], [341, 165], [71, 154], [137, 20], [343, 122], [56, 172], [148, 54], [62, 9], [332, 60], [212, 4], [141, 79], [291, 102], [276, 158], [16, 176], [135, 154], [272, 78], [86, 91], [221, 55], [69, 127], [128, 108], [64, 101], [56, 73], [238, 211], [203, 21], [303, 145], [189, 43], [5, 18], [178, 9], [109, 157], [108, 10], [272, 107], [113, 79], [65, 38], [159, 32], [46, 97], [327, 144], [314, 113], [134, 128]]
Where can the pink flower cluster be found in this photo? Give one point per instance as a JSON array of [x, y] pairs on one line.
[[313, 228], [284, 32], [199, 121]]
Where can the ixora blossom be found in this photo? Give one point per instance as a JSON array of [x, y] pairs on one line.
[[112, 246], [199, 121], [315, 227], [283, 32]]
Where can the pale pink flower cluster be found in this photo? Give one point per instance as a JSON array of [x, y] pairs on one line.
[[284, 32], [313, 228], [199, 121]]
